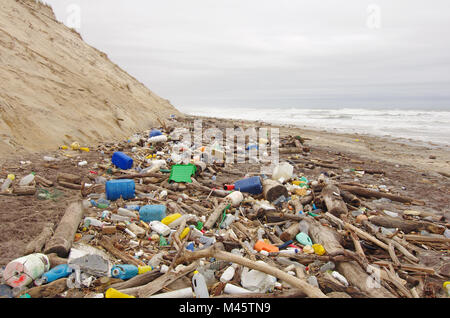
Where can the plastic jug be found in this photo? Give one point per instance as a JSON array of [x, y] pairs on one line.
[[249, 185], [22, 271], [121, 160], [257, 281], [263, 246], [170, 218], [304, 239], [124, 271], [55, 273], [27, 180], [160, 228], [199, 286], [236, 198], [149, 213], [7, 183], [144, 269], [116, 188], [283, 172], [114, 293]]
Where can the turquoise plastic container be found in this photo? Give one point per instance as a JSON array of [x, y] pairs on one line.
[[124, 271], [116, 188], [57, 272], [304, 239], [149, 213]]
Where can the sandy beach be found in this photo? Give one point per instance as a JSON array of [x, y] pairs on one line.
[[404, 165]]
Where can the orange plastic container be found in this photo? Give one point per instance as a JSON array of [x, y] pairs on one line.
[[263, 246]]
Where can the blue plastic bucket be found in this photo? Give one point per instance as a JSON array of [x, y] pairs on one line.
[[149, 213], [116, 188], [121, 160], [250, 185]]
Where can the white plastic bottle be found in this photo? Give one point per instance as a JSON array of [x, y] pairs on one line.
[[199, 286], [125, 212], [27, 180], [340, 278], [160, 228], [283, 172], [90, 221], [228, 274]]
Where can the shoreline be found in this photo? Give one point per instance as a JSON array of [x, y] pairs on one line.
[[414, 153], [394, 150]]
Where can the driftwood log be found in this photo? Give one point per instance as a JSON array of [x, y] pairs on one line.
[[25, 190], [36, 245], [62, 240], [290, 232], [272, 190], [333, 201], [48, 290], [212, 219], [406, 226], [69, 178], [367, 193]]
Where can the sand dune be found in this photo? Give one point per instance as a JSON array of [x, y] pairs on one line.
[[55, 88]]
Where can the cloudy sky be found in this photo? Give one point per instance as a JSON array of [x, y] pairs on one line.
[[272, 53]]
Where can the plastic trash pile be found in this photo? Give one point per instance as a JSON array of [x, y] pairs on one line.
[[161, 202]]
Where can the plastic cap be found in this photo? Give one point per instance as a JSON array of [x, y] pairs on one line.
[[195, 272], [11, 177]]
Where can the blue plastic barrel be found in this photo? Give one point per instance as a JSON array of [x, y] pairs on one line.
[[250, 185], [121, 160], [149, 213], [116, 188], [155, 132], [124, 272]]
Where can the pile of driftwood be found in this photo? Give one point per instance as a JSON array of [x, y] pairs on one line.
[[377, 253]]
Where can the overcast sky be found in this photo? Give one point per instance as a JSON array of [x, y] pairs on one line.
[[270, 53]]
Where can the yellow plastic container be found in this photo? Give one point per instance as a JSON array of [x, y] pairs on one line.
[[184, 233], [86, 149], [64, 147], [144, 269], [170, 218], [318, 249], [114, 293], [446, 286], [11, 177], [75, 146]]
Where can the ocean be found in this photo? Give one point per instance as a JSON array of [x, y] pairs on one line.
[[424, 126]]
